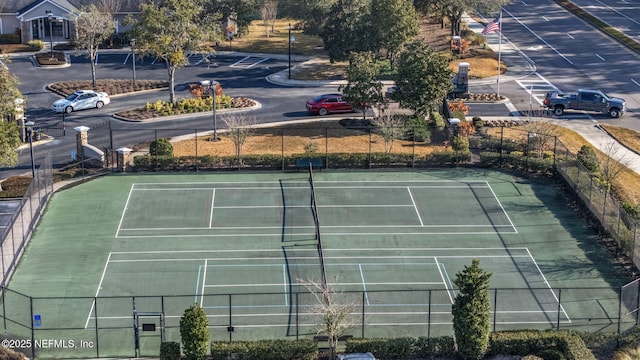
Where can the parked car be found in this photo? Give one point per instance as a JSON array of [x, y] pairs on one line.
[[81, 99], [587, 100], [328, 103], [356, 356]]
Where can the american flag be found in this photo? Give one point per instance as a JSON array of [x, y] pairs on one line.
[[492, 26]]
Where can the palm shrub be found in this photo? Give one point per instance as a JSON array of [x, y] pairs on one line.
[[161, 147], [472, 311], [194, 333]]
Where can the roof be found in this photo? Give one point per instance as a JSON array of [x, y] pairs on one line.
[[21, 6]]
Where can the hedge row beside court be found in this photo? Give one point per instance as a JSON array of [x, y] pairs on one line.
[[265, 350], [551, 344], [275, 162], [404, 348]]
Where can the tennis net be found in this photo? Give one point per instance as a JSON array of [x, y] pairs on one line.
[[316, 221]]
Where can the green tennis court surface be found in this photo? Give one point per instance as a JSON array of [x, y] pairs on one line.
[[242, 245]]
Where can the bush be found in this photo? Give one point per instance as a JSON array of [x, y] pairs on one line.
[[9, 39], [161, 147], [437, 120], [417, 129], [194, 332], [588, 158], [169, 350], [36, 44], [265, 350]]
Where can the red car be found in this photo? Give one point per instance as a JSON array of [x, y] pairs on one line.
[[328, 103]]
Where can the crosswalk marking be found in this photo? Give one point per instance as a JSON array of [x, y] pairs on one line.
[[248, 62], [537, 87]]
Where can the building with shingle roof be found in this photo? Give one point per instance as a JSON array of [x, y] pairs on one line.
[[52, 19]]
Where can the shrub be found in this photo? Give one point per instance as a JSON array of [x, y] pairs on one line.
[[161, 147], [36, 44], [9, 39], [169, 350], [588, 158], [194, 332], [437, 120], [477, 122], [460, 144], [417, 129]]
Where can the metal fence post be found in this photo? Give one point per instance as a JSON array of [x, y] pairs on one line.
[[559, 308], [95, 311]]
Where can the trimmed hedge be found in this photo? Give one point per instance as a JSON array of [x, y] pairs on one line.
[[169, 350], [568, 344], [9, 39], [403, 348], [265, 350]]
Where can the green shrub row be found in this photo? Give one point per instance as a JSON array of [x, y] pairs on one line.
[[272, 161], [265, 350], [403, 348], [552, 344], [9, 39], [516, 160], [170, 350]]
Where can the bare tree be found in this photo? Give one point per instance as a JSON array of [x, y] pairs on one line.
[[3, 3], [268, 13], [390, 127], [240, 129], [93, 27], [109, 6], [541, 134], [611, 165], [335, 312]]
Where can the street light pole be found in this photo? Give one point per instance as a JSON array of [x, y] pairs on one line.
[[289, 27], [133, 54], [29, 125], [50, 16]]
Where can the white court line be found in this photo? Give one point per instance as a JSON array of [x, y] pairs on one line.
[[93, 303], [204, 281], [124, 211], [285, 284], [525, 249], [213, 199], [306, 182], [312, 257], [548, 285], [443, 280], [311, 234], [503, 210], [324, 227], [364, 284], [414, 206], [463, 186]]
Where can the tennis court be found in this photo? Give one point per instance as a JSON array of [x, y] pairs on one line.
[[124, 250]]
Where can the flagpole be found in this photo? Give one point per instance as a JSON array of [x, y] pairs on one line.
[[499, 49]]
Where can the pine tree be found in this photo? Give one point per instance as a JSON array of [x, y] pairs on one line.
[[472, 311]]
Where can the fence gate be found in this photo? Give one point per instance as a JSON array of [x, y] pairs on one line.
[[148, 332], [630, 298]]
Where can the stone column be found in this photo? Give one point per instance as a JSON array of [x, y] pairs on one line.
[[123, 159], [81, 140]]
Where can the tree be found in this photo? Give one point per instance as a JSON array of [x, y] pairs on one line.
[[110, 7], [336, 313], [313, 14], [161, 147], [347, 29], [454, 9], [93, 27], [390, 127], [396, 23], [9, 142], [611, 165], [242, 12], [268, 13], [362, 89], [194, 332], [9, 92], [423, 79], [188, 30], [589, 159], [472, 311], [240, 129]]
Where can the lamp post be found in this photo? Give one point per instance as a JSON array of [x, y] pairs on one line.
[[213, 87], [133, 55], [50, 16], [289, 28], [29, 125]]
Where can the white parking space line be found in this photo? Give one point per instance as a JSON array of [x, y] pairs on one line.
[[248, 62], [537, 88]]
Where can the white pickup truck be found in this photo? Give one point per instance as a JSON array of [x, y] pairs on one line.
[[587, 100]]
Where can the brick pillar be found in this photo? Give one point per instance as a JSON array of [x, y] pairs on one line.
[[123, 159], [81, 140]]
